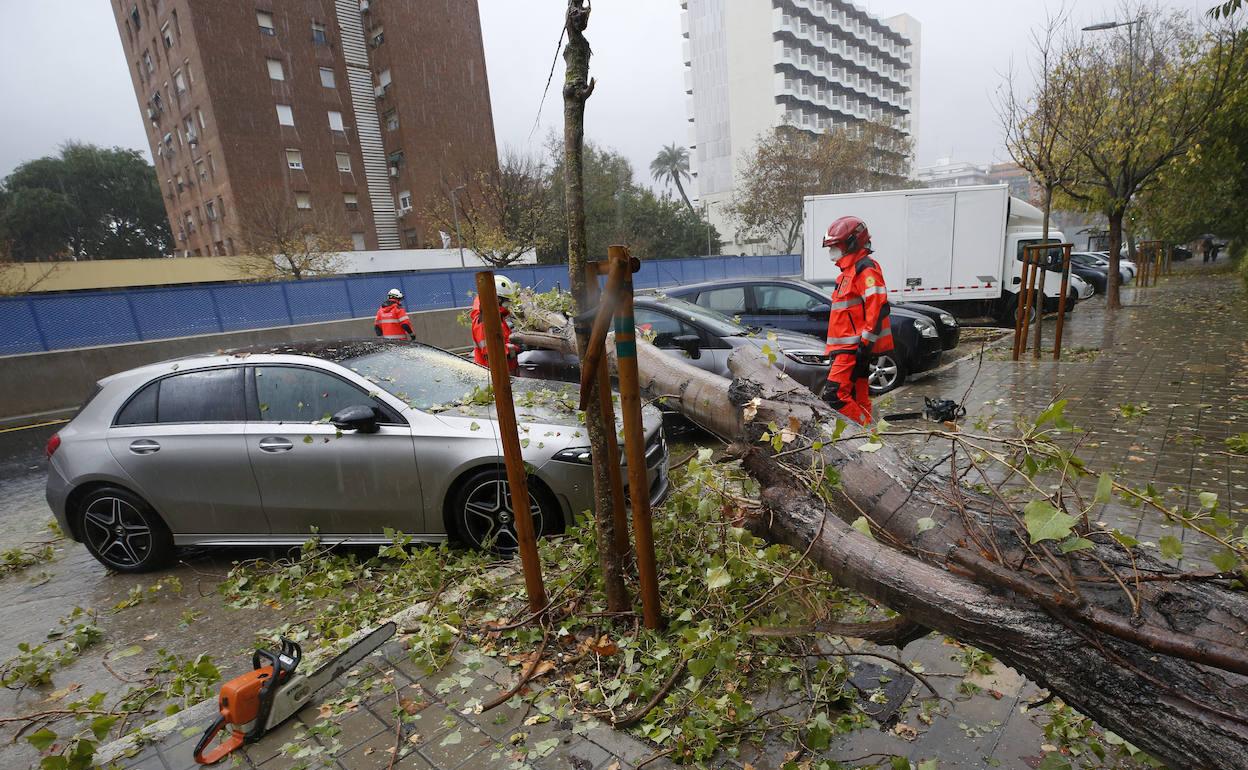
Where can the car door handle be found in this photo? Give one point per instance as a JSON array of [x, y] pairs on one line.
[[144, 446], [274, 444]]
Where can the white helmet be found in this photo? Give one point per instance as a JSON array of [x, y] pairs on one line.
[[394, 294], [505, 288]]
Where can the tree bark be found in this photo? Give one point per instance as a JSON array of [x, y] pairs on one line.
[[1112, 294], [1171, 678], [577, 87], [1044, 239]]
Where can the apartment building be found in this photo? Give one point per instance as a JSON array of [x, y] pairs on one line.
[[352, 111], [946, 172], [751, 65]]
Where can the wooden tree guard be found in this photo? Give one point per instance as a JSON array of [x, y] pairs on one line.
[[509, 435], [1026, 296], [635, 436], [1061, 303], [619, 512]]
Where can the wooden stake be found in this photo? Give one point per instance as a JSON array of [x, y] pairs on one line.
[[509, 435], [635, 439], [1019, 312], [619, 508], [1061, 302]]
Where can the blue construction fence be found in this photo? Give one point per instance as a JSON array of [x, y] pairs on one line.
[[40, 322]]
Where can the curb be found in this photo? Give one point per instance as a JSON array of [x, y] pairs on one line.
[[202, 713]]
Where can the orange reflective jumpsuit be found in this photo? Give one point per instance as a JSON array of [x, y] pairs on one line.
[[479, 352], [859, 318], [392, 322]]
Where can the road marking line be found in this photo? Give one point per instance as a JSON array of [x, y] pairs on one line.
[[35, 425]]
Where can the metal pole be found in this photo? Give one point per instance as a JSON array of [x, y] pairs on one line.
[[1061, 302], [508, 432], [459, 239], [619, 512], [635, 440]]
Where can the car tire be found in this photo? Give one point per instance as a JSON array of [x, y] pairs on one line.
[[886, 373], [1009, 313], [123, 532], [481, 512]]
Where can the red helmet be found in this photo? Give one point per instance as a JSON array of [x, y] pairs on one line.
[[849, 234]]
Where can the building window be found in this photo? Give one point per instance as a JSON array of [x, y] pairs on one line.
[[396, 159], [303, 200], [148, 63], [275, 69], [351, 201], [202, 170], [212, 166], [181, 184], [265, 20], [383, 80], [134, 17], [285, 117], [411, 238], [327, 77], [344, 161], [405, 200], [221, 208], [179, 82], [318, 33], [391, 120], [294, 159], [210, 209], [357, 242], [200, 114], [190, 223], [335, 121], [166, 34], [377, 36]]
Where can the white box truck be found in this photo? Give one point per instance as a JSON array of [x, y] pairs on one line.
[[957, 248]]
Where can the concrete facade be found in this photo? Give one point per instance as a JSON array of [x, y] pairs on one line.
[[947, 172], [752, 65], [47, 383], [252, 106]]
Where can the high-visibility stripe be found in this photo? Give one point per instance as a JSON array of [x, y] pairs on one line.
[[846, 303], [394, 336], [404, 320], [843, 340], [481, 344], [874, 290]]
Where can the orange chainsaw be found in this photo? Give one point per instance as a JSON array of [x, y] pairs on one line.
[[258, 701]]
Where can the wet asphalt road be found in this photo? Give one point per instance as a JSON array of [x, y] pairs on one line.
[[33, 600]]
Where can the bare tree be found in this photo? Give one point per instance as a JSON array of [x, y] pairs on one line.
[[21, 277], [501, 213], [788, 164], [282, 241], [1037, 122], [1146, 94]]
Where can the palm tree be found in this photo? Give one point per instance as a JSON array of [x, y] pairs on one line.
[[670, 165]]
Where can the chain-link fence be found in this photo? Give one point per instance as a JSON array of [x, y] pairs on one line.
[[84, 318]]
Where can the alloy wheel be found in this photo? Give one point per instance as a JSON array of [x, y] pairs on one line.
[[883, 373], [117, 531], [489, 519]]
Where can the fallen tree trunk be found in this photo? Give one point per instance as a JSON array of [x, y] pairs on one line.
[[1163, 663]]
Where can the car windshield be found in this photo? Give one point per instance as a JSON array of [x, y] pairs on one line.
[[716, 323], [1084, 259], [421, 376]]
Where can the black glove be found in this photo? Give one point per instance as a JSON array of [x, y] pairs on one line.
[[862, 360]]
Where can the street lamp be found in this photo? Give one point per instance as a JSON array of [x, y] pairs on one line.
[[1104, 25], [707, 209], [455, 212]]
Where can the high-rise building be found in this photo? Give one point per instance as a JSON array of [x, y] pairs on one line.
[[751, 65], [946, 172], [355, 111]]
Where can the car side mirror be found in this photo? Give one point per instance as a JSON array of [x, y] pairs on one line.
[[820, 311], [359, 418], [690, 343]]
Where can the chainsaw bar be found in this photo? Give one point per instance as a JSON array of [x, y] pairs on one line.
[[303, 689]]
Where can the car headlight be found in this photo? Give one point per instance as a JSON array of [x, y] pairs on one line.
[[810, 357], [576, 454], [948, 320], [926, 328]]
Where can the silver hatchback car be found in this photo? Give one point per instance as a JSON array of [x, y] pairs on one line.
[[345, 440]]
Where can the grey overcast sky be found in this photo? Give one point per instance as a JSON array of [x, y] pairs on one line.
[[65, 76]]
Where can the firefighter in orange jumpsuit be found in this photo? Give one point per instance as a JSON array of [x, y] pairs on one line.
[[391, 322], [858, 326], [506, 290]]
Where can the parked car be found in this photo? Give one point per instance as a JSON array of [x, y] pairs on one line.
[[344, 439], [704, 337], [1095, 269], [946, 325], [798, 306]]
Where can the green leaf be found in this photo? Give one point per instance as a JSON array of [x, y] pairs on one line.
[[1208, 499], [451, 739], [1071, 544], [1104, 489], [870, 446], [542, 748], [41, 739], [1054, 415], [1044, 522], [1124, 539], [127, 652], [926, 523], [475, 425], [863, 526], [1225, 560], [704, 455], [700, 667], [819, 732], [307, 439], [1171, 547], [102, 724], [1054, 761], [717, 577]]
